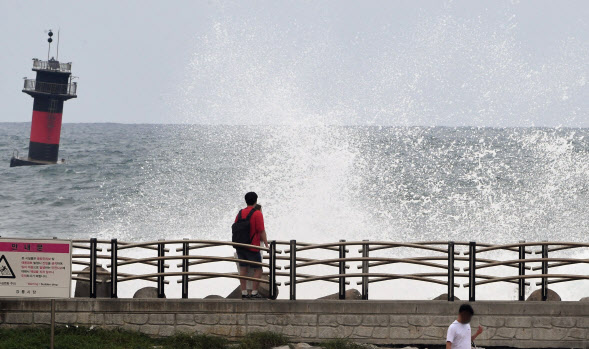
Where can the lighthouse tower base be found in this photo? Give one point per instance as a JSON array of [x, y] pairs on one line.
[[15, 162]]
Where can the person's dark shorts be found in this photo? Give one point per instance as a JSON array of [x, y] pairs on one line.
[[249, 256]]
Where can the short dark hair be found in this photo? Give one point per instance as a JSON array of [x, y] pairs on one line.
[[467, 308], [251, 198]]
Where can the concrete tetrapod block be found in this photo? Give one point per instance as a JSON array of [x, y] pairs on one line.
[[146, 292], [102, 288], [536, 296]]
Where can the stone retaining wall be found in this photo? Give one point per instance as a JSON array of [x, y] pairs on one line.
[[513, 324]]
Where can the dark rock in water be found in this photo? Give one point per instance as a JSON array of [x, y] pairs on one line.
[[444, 297], [102, 288], [536, 296], [350, 294], [147, 292], [584, 299], [262, 289], [214, 296]]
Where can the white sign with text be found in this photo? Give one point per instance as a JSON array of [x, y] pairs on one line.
[[39, 268]]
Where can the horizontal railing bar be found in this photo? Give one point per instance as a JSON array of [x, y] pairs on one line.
[[149, 244], [166, 266], [328, 262], [180, 273], [209, 277], [83, 263], [214, 243], [556, 265], [88, 272], [198, 278], [180, 249], [179, 265], [122, 258], [302, 243], [123, 243], [108, 280], [383, 259], [87, 256], [554, 249], [487, 277], [533, 276], [443, 258], [380, 243], [81, 247], [482, 244], [106, 242], [383, 245], [559, 280], [541, 243], [148, 279], [358, 275], [88, 241], [380, 247], [84, 279], [416, 260], [485, 260], [561, 248], [424, 275], [336, 280], [152, 279], [213, 258], [530, 260]]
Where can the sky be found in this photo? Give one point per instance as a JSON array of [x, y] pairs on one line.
[[451, 63]]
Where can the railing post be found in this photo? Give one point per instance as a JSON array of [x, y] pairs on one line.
[[93, 268], [365, 265], [113, 267], [544, 272], [293, 270], [342, 271], [272, 271], [185, 269], [522, 271], [451, 271], [472, 258], [160, 269]]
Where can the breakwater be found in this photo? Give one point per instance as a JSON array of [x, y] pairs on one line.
[[511, 324]]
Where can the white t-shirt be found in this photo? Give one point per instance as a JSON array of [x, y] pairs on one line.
[[459, 335]]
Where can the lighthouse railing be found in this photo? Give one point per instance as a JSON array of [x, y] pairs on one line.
[[52, 65], [52, 88]]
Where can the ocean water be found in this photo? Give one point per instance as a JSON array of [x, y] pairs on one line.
[[316, 184]]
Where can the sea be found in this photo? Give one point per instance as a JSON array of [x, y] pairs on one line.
[[320, 183]]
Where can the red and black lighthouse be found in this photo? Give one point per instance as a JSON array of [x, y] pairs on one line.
[[51, 88]]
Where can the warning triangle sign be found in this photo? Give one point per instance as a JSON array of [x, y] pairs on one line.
[[5, 269]]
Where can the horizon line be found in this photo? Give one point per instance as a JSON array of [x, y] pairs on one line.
[[287, 125]]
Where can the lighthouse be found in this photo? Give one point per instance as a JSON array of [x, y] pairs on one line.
[[50, 89]]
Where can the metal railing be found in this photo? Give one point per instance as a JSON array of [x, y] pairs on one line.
[[51, 88], [52, 65], [441, 256]]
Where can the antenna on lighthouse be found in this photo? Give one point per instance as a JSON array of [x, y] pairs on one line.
[[58, 29], [49, 40]]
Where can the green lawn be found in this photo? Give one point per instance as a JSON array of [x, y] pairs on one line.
[[84, 338]]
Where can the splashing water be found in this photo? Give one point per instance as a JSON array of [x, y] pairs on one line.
[[343, 153]]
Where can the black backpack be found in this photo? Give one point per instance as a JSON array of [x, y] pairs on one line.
[[241, 229]]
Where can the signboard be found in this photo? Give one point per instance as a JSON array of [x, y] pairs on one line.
[[35, 268]]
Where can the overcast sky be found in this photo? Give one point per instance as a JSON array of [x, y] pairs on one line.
[[480, 63]]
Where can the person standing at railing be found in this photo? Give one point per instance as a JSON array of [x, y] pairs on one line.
[[459, 336], [250, 271], [257, 234]]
